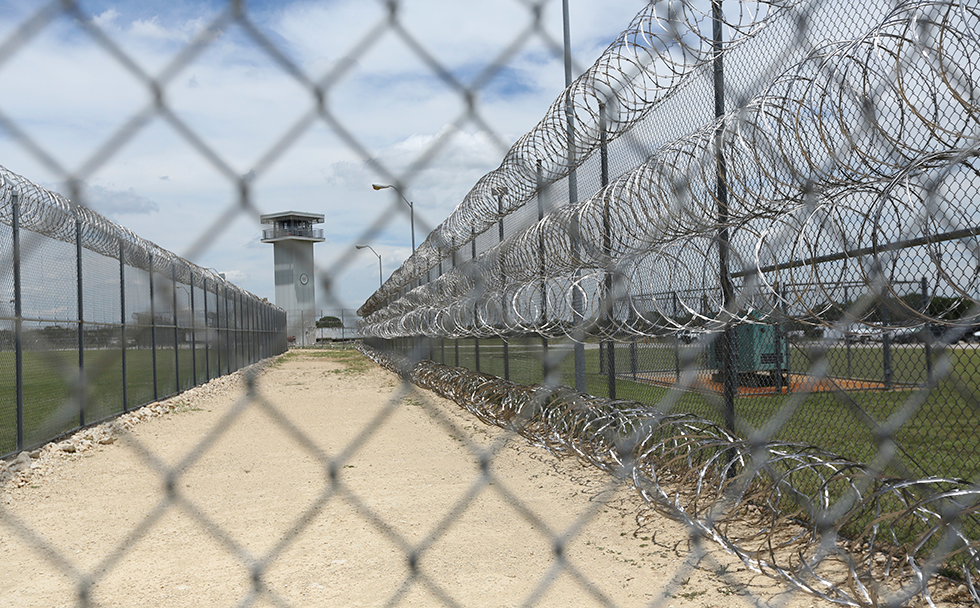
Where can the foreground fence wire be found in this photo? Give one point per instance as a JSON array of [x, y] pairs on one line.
[[121, 321], [746, 236]]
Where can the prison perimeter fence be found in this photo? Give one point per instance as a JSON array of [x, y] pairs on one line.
[[324, 325], [735, 264], [739, 254], [96, 321]]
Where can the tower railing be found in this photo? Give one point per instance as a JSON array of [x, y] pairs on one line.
[[279, 233]]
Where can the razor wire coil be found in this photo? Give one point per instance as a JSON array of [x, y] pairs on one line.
[[53, 215], [829, 526], [865, 147]]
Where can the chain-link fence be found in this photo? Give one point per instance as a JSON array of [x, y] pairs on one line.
[[100, 321], [745, 237], [337, 325], [762, 218]]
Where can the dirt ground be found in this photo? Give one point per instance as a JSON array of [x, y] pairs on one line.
[[211, 497]]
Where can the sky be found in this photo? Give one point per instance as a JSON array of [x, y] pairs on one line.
[[168, 166]]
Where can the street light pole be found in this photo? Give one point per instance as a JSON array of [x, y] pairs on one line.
[[411, 207], [380, 274]]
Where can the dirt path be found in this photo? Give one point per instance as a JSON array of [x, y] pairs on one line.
[[251, 482]]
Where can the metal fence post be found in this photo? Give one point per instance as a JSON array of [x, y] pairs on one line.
[[501, 193], [545, 364], [216, 339], [227, 336], [262, 325], [633, 358], [578, 306], [677, 342], [786, 352], [217, 328], [728, 344], [927, 329], [237, 309], [153, 331], [778, 339], [193, 334], [173, 281], [18, 320], [847, 331], [232, 323], [243, 329], [246, 330], [207, 331], [602, 357], [80, 387], [234, 319], [122, 320], [476, 341], [886, 347], [607, 249]]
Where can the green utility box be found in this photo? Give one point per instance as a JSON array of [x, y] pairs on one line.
[[761, 350]]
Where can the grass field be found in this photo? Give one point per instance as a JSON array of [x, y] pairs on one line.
[[48, 377], [937, 433], [939, 436]]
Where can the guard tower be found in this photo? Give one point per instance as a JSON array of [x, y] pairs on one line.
[[292, 235]]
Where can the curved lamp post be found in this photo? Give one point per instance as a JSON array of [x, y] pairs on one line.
[[380, 282], [407, 202]]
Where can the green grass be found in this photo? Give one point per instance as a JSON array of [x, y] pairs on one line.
[[938, 433], [354, 363], [939, 437], [48, 377]]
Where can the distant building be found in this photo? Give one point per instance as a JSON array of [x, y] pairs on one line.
[[292, 236]]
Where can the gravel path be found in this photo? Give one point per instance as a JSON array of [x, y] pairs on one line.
[[250, 484]]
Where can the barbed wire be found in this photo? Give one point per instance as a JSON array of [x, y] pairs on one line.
[[837, 529], [860, 154], [853, 169], [667, 43], [125, 298], [53, 215]]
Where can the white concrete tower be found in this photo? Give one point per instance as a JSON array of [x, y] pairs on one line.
[[292, 236]]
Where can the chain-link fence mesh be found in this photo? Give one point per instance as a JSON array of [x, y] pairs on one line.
[[745, 237], [100, 321]]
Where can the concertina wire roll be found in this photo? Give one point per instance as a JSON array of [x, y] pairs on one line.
[[52, 215], [830, 527], [863, 147], [668, 35]]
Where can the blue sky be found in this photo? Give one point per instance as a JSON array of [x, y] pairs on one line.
[[69, 96]]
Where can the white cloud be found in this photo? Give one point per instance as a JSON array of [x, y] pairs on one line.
[[106, 19], [235, 276], [111, 203], [70, 97]]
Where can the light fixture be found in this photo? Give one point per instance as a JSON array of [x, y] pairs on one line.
[[411, 206], [380, 272]]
